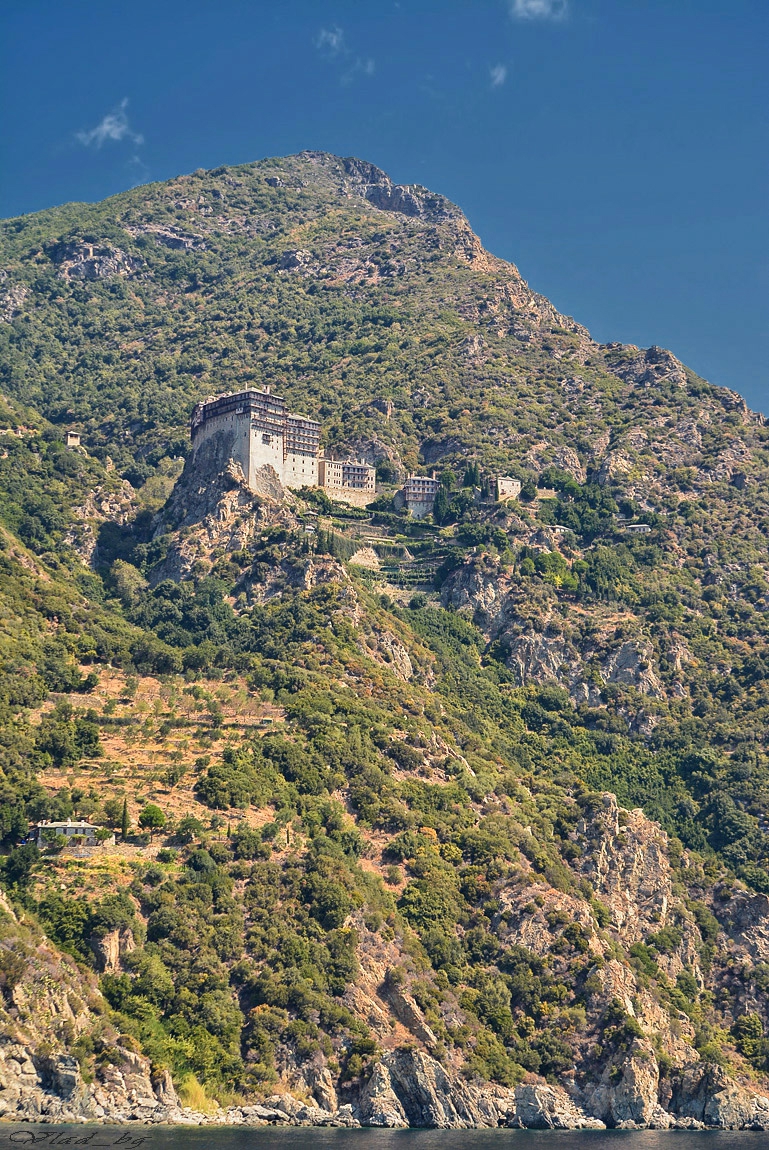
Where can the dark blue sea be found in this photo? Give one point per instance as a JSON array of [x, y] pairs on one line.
[[301, 1138]]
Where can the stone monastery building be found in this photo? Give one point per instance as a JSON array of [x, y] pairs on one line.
[[260, 432]]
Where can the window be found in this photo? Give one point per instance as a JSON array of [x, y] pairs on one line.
[[266, 438]]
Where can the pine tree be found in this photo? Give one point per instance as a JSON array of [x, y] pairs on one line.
[[124, 821]]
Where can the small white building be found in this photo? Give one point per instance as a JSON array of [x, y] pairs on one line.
[[71, 829], [507, 487], [73, 439]]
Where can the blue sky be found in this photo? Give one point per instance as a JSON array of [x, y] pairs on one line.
[[616, 150]]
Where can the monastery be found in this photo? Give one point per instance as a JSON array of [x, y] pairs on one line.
[[259, 431]]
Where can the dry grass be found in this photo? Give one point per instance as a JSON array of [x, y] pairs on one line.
[[158, 738], [192, 1094]]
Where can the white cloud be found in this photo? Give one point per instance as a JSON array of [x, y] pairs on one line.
[[331, 40], [359, 67], [538, 9], [498, 75], [332, 44], [112, 127]]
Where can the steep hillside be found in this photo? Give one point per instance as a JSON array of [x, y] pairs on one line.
[[454, 822]]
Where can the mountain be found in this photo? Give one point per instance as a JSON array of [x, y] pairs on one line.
[[449, 822]]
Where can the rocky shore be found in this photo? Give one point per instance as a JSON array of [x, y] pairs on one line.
[[407, 1088]]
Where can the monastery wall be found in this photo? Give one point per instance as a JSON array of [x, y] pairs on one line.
[[254, 429]]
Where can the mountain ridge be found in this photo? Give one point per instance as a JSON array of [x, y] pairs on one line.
[[464, 818]]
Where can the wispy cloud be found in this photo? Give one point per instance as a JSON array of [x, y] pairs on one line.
[[332, 44], [498, 75], [539, 9], [113, 127], [139, 171], [358, 67], [331, 41]]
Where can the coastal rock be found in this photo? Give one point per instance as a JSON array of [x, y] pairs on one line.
[[635, 1098], [706, 1093], [379, 1104], [321, 1084], [409, 1088], [549, 1108]]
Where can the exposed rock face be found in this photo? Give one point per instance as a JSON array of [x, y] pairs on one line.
[[536, 657], [379, 1104], [409, 1088], [614, 465], [321, 1084], [705, 1093], [634, 1099], [567, 459], [647, 368], [294, 259], [631, 665], [212, 497], [46, 1005], [626, 862], [108, 503], [293, 575], [169, 237], [83, 259], [12, 296], [209, 477], [407, 1011], [110, 948], [540, 1107], [388, 650], [747, 919], [410, 200], [536, 645]]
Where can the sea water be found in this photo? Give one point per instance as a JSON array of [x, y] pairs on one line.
[[315, 1138]]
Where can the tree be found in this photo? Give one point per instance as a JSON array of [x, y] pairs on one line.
[[472, 475], [189, 828], [124, 821], [441, 506], [152, 819], [17, 866], [113, 811], [129, 582], [102, 834]]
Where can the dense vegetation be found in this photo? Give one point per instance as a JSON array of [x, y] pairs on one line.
[[460, 779]]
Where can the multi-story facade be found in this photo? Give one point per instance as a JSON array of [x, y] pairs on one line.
[[353, 474], [256, 430], [418, 494]]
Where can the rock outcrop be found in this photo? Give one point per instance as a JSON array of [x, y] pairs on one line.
[[409, 1088], [92, 260]]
